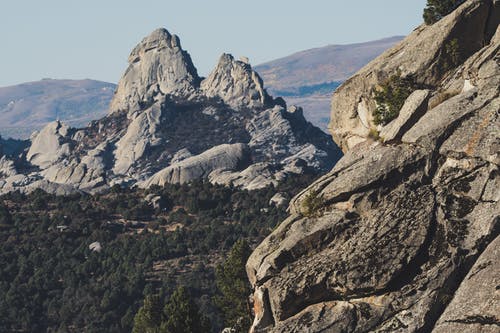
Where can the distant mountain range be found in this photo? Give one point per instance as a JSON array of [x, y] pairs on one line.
[[306, 78], [309, 77], [27, 107]]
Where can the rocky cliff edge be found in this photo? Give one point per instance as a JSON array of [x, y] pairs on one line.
[[401, 235]]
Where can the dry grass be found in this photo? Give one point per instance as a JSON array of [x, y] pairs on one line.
[[442, 97]]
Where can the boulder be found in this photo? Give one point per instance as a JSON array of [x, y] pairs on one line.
[[413, 109], [85, 173], [49, 187], [95, 247], [180, 155], [271, 134], [279, 199], [155, 201], [7, 167], [225, 157], [52, 144], [254, 177]]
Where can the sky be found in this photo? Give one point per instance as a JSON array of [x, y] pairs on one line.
[[75, 39]]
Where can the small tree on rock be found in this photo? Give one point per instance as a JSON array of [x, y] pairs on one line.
[[437, 9]]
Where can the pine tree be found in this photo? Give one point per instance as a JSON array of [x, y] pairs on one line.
[[183, 315], [232, 282], [437, 9], [179, 315], [149, 317], [5, 217]]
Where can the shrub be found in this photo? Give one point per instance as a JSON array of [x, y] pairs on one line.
[[183, 315], [180, 314], [149, 316], [312, 204], [39, 200], [437, 9], [390, 98], [374, 134]]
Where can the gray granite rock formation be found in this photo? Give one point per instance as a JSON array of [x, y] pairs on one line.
[[235, 83], [157, 65], [165, 125], [425, 56], [382, 243]]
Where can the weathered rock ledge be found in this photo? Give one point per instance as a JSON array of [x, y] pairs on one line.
[[401, 235]]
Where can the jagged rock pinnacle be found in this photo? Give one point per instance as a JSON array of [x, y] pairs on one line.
[[157, 65], [236, 83], [163, 126]]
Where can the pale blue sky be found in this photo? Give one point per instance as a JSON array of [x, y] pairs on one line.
[[92, 38]]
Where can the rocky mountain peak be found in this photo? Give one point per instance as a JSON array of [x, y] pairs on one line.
[[158, 39], [157, 66], [236, 83], [165, 126]]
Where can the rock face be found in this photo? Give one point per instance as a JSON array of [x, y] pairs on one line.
[[140, 134], [475, 305], [425, 56], [235, 83], [50, 145], [382, 243], [167, 125], [157, 65], [223, 157]]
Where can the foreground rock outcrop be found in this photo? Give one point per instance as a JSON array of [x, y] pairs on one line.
[[425, 57], [167, 125], [389, 239]]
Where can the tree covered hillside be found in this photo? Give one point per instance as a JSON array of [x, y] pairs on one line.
[[86, 263]]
